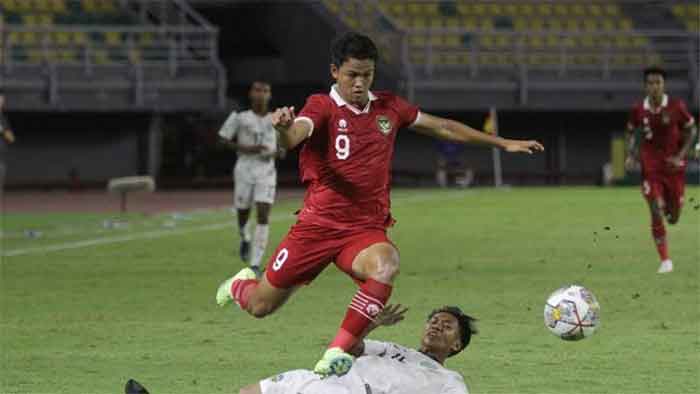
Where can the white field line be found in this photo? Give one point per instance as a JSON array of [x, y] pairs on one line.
[[210, 227]]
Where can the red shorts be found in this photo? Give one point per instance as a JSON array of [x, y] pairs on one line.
[[308, 249], [669, 187]]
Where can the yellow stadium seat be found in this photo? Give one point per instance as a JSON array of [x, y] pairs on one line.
[[572, 24], [452, 22], [135, 56], [544, 9], [555, 24], [536, 24], [417, 57], [588, 41], [536, 42], [419, 23], [113, 38], [469, 23], [561, 9], [41, 5], [23, 6], [464, 9], [100, 56], [79, 38], [332, 5], [62, 38], [9, 5], [29, 19], [451, 59], [595, 10], [495, 9], [503, 41], [612, 10], [58, 6], [510, 9], [397, 9], [520, 24], [693, 25], [590, 25], [640, 42], [414, 9], [453, 40], [578, 10], [436, 40], [417, 40], [486, 24], [552, 41], [608, 24], [625, 24], [486, 41], [436, 23], [679, 10], [622, 41], [479, 9], [89, 6], [526, 9]]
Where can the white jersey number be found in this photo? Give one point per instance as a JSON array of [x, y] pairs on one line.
[[342, 147], [281, 259]]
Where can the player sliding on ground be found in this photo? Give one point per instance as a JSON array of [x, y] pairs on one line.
[[664, 138], [384, 367], [348, 143]]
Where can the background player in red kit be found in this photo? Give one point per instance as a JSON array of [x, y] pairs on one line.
[[666, 132], [348, 143]]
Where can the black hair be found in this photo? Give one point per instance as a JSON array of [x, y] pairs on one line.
[[353, 45], [654, 70], [467, 324], [262, 80]]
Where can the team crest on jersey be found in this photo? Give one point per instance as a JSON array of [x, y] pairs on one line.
[[343, 126], [384, 124]]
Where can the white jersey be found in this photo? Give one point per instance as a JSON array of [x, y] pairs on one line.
[[394, 369], [248, 128], [385, 368]]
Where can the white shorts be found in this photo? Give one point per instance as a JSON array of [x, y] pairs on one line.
[[307, 382], [246, 193]]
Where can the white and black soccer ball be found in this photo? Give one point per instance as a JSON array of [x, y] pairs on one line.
[[572, 313]]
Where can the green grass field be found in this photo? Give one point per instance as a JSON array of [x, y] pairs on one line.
[[84, 308]]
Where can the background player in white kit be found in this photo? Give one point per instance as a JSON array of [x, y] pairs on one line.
[[251, 134], [388, 368]]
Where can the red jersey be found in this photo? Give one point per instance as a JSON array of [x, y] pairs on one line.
[[346, 160], [660, 131]]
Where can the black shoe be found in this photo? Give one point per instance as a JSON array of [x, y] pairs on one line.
[[134, 387], [244, 250]]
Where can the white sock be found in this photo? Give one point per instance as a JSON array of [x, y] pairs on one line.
[[259, 243]]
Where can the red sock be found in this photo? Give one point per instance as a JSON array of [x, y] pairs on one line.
[[367, 303], [659, 232], [241, 290]]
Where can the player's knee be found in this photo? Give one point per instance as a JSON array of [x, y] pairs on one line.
[[260, 309], [386, 267], [252, 389]]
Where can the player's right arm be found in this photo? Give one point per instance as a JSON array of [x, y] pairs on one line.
[[389, 316], [633, 124], [291, 133], [228, 133]]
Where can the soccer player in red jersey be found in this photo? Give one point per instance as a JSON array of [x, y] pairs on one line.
[[665, 134], [347, 138]]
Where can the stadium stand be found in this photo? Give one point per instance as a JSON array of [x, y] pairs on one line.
[[125, 44], [447, 42]]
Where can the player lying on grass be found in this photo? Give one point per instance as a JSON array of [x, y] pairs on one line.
[[347, 138], [661, 132], [384, 367]]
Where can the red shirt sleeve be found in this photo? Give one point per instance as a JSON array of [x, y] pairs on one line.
[[315, 111], [408, 113], [634, 120], [685, 119]]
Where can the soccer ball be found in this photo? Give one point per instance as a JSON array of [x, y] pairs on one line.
[[572, 313]]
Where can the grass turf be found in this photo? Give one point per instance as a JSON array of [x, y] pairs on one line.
[[84, 319]]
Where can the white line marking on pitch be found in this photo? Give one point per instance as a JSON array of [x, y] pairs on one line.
[[164, 233]]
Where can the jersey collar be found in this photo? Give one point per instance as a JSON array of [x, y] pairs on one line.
[[647, 104], [341, 102]]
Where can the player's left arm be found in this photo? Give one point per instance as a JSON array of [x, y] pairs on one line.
[[689, 130], [451, 130]]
